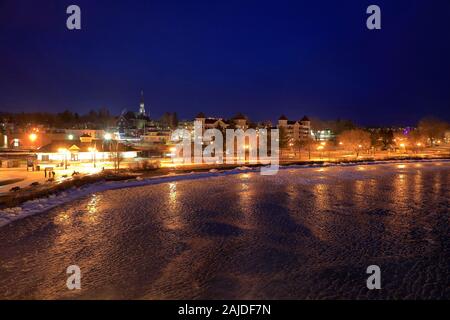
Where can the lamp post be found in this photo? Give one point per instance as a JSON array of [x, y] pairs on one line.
[[419, 145], [324, 144], [359, 149], [93, 150], [32, 137], [403, 146], [64, 152], [107, 138], [320, 148]]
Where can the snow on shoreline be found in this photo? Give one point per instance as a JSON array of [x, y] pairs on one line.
[[44, 204]]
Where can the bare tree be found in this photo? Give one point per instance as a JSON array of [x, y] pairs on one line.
[[115, 155], [304, 144], [417, 140], [400, 141], [355, 140], [308, 143], [297, 145], [433, 129]]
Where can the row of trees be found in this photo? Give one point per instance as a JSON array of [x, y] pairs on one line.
[[94, 119], [429, 132], [101, 118], [431, 129]]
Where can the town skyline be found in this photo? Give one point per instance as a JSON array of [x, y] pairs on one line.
[[314, 59], [227, 115]]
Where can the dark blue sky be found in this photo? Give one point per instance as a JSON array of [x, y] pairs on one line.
[[262, 58]]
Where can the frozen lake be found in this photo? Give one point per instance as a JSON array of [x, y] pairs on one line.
[[302, 234]]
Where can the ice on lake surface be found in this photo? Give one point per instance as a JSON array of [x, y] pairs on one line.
[[305, 233]]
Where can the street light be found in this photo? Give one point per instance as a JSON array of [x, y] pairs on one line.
[[32, 137], [320, 148], [93, 150], [106, 137], [64, 152]]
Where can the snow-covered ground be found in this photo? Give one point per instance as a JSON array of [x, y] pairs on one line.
[[24, 178], [304, 233]]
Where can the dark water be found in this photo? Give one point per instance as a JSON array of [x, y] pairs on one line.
[[305, 233]]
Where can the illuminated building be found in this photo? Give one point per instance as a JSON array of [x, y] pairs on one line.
[[295, 130]]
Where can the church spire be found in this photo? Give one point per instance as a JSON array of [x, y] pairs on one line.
[[142, 105]]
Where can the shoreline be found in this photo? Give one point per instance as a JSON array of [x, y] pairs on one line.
[[55, 195]]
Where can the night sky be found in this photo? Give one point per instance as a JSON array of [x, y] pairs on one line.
[[262, 58]]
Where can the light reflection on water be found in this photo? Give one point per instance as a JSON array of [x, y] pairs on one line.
[[418, 187], [174, 240], [173, 194], [246, 201], [322, 219], [92, 214], [174, 217]]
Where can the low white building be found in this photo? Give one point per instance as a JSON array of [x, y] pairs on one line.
[[87, 151]]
